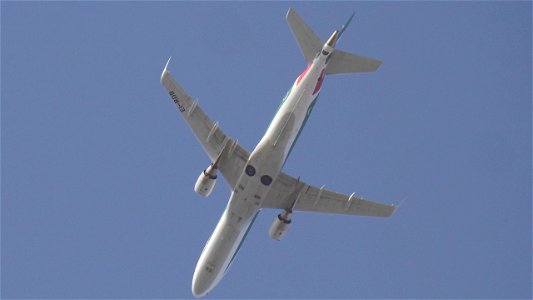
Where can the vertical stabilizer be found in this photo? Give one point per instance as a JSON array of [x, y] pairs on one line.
[[308, 41], [346, 25]]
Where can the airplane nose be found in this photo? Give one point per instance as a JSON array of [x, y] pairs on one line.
[[200, 287], [198, 291]]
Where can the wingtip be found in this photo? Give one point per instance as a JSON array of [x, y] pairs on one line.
[[397, 206], [168, 62], [165, 70], [289, 11]]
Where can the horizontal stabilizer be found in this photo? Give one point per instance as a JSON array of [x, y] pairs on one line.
[[308, 41], [343, 62]]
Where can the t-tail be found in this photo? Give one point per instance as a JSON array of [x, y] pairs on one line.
[[341, 62]]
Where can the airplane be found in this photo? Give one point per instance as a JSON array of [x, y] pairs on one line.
[[256, 179]]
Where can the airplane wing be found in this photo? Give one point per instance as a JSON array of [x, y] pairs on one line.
[[287, 190], [208, 133]]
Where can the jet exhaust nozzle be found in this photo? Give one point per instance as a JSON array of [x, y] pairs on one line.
[[333, 39]]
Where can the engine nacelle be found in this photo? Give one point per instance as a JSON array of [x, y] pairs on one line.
[[280, 226], [206, 181]]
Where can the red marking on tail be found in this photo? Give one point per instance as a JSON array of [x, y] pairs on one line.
[[319, 82], [303, 74]]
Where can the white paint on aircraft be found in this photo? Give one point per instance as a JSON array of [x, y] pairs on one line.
[[256, 178]]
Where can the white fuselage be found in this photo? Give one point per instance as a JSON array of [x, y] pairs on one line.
[[261, 170]]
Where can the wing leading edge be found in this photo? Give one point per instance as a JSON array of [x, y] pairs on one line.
[[215, 143], [282, 195]]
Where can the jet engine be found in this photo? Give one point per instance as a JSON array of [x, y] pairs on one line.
[[280, 226], [206, 181]]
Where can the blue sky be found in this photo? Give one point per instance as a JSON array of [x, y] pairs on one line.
[[98, 167]]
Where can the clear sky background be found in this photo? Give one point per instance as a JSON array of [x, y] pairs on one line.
[[98, 166]]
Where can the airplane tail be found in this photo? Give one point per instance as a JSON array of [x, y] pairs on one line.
[[341, 62]]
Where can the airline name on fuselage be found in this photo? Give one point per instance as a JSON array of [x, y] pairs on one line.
[[176, 100]]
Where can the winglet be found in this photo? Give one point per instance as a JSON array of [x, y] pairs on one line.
[[168, 62], [400, 204], [165, 71]]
